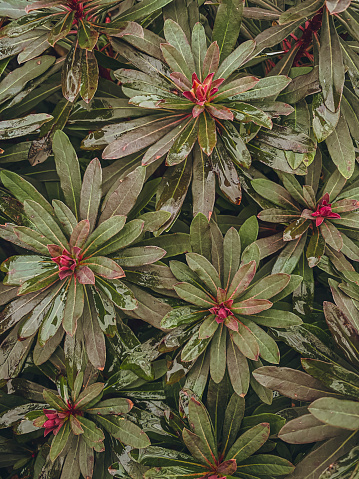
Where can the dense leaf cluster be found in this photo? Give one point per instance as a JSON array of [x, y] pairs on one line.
[[179, 239]]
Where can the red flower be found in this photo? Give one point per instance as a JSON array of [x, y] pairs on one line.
[[68, 262], [222, 310], [324, 210], [202, 93], [54, 421]]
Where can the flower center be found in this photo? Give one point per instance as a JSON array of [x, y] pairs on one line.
[[68, 262], [55, 419], [324, 210], [202, 93], [222, 310]]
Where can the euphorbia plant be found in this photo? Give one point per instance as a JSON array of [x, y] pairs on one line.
[[215, 452], [330, 385], [226, 298], [74, 422], [198, 112], [81, 22], [328, 216], [71, 283], [319, 36]]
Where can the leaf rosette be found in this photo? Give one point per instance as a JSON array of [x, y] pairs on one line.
[[223, 452], [77, 422], [198, 111], [323, 220], [77, 25], [330, 385], [226, 299], [72, 282]]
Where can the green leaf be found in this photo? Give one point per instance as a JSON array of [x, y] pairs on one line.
[[276, 319], [307, 428], [200, 236], [227, 25], [249, 443], [193, 295], [183, 144], [265, 87], [235, 60], [333, 376], [62, 28], [341, 148], [74, 306], [232, 421], [105, 267], [238, 369], [102, 234], [205, 271], [23, 190], [301, 11], [53, 317], [68, 169], [87, 36], [89, 75], [91, 434], [331, 68], [91, 193], [202, 426], [89, 394], [71, 73], [208, 327], [45, 223], [194, 347], [118, 293], [197, 447], [241, 280], [123, 198], [124, 430], [296, 229], [246, 342], [336, 412], [218, 354], [291, 383], [199, 47], [142, 10], [54, 400], [93, 338], [60, 441], [177, 38], [268, 349], [111, 406], [331, 235], [265, 464], [268, 287], [207, 136], [275, 193], [14, 83], [232, 254]]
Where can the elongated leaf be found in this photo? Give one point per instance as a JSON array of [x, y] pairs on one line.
[[68, 169], [227, 25], [331, 69], [90, 195], [291, 383], [336, 412]]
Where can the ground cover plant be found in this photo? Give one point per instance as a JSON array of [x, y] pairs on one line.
[[179, 239]]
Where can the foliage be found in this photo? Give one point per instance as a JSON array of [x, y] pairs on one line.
[[179, 238]]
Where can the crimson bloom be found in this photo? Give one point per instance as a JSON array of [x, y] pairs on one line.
[[324, 210], [54, 421], [70, 264], [203, 94], [222, 311]]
